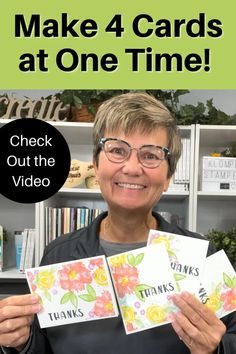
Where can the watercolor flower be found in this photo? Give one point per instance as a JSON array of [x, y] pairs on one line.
[[118, 261], [214, 301], [130, 327], [100, 276], [156, 314], [126, 279], [229, 299], [161, 239], [128, 314], [98, 262], [74, 276], [45, 280], [30, 276], [103, 306]]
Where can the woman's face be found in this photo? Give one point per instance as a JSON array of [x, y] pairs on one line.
[[129, 185]]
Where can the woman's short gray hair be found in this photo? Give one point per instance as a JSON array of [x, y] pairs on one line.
[[130, 112]]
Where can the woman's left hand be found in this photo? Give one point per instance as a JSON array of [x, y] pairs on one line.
[[196, 325]]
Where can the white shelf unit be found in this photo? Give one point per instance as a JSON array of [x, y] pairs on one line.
[[79, 139], [212, 209]]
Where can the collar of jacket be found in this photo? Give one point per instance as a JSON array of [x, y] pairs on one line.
[[88, 244]]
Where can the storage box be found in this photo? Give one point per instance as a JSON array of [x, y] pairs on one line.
[[218, 173]]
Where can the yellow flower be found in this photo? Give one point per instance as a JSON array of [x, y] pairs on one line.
[[156, 314], [128, 314], [100, 276], [213, 302], [118, 261], [45, 280], [163, 239]]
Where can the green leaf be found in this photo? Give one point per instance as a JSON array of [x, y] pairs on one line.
[[234, 282], [73, 299], [91, 291], [179, 277], [65, 298], [131, 260], [171, 254], [139, 323], [178, 286], [139, 288], [218, 288], [77, 102], [228, 281], [139, 258], [47, 295], [87, 297]]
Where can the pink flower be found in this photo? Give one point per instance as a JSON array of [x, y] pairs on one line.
[[97, 262], [126, 279], [103, 306], [130, 327], [31, 281], [74, 277], [229, 299]]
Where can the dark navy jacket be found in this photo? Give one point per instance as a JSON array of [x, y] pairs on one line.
[[108, 336]]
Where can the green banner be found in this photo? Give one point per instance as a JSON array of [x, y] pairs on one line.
[[126, 44]]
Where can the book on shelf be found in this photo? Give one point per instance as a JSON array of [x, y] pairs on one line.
[[62, 220], [181, 178], [1, 248], [28, 247], [18, 235]]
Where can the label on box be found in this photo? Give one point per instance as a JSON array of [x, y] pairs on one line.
[[218, 173], [73, 292], [186, 265], [144, 283]]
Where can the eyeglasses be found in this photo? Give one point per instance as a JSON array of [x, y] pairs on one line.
[[118, 151]]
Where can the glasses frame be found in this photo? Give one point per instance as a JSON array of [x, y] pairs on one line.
[[166, 151]]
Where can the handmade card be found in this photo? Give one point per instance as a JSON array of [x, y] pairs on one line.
[[74, 291], [144, 283], [187, 257], [218, 290]]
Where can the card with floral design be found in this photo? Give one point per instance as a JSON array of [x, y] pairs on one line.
[[187, 257], [73, 291], [218, 288], [144, 284]]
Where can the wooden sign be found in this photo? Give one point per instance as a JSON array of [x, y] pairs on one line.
[[50, 108]]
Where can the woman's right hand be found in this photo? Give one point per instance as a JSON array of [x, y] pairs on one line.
[[16, 317]]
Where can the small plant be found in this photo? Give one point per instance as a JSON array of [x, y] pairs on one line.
[[202, 113], [79, 98], [226, 241], [230, 150]]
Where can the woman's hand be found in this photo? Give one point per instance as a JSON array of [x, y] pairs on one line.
[[196, 325], [16, 316]]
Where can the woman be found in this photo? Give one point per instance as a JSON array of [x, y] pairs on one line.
[[136, 149]]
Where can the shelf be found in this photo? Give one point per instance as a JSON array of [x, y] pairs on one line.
[[216, 195], [11, 273], [175, 195], [96, 193], [74, 132], [216, 135], [84, 192]]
